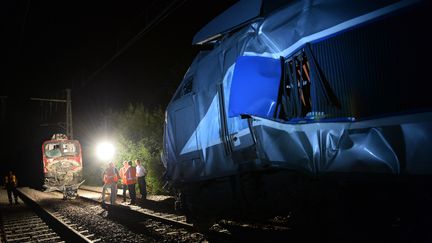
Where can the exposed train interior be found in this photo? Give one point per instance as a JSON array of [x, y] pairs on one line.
[[349, 75]]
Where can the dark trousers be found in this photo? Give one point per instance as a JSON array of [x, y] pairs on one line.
[[142, 187], [10, 191], [132, 193], [124, 187]]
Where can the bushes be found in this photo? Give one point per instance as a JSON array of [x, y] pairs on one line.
[[138, 132]]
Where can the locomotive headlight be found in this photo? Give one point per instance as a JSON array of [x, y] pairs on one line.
[[105, 151]]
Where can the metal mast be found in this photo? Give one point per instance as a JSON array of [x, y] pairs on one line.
[[68, 101], [2, 107], [69, 127]]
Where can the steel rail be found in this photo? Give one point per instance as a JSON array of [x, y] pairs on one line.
[[55, 221], [168, 218], [180, 220], [25, 225]]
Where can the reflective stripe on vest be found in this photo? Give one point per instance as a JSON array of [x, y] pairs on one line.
[[123, 174], [130, 175], [12, 181], [110, 176]]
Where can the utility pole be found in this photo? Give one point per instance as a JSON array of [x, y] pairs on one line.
[[68, 101], [2, 107], [69, 128]]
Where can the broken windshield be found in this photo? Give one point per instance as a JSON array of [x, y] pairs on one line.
[[58, 149]]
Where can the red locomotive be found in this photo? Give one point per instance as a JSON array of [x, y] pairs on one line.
[[62, 159]]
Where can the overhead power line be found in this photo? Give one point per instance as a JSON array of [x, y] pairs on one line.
[[159, 18]]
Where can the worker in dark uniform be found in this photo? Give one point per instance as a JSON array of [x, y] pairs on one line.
[[11, 184]]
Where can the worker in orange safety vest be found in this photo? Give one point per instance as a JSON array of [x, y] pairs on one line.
[[110, 177], [131, 180], [123, 178]]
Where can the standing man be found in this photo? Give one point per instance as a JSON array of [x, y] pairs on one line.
[[141, 173], [110, 177], [11, 184], [123, 177], [131, 181]]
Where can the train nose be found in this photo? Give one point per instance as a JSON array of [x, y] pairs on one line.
[[63, 172]]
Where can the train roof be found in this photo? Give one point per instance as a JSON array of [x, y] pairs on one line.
[[236, 17], [60, 140], [246, 11]]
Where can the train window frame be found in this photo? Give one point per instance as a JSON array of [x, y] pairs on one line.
[[73, 153], [54, 152], [59, 147], [186, 87]]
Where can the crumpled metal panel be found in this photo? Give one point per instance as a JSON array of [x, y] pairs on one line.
[[62, 172], [372, 146], [418, 152]]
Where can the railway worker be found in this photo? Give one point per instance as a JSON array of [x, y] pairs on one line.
[[123, 178], [11, 183], [131, 181], [141, 173], [110, 177]]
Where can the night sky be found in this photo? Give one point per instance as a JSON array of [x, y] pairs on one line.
[[48, 46]]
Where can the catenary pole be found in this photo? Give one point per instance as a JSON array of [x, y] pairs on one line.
[[68, 101]]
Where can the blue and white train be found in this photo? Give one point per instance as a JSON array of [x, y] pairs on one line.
[[293, 100]]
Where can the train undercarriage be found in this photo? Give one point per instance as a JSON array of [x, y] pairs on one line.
[[325, 203]]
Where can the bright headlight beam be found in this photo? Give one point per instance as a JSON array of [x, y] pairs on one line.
[[105, 151]]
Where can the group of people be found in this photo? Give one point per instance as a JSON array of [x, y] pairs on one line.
[[129, 175]]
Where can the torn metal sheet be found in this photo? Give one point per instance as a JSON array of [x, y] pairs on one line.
[[63, 172], [386, 145]]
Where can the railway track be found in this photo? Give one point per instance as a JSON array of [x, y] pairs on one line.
[[146, 220], [180, 220], [169, 218], [140, 221], [25, 225], [65, 222], [159, 226], [35, 223]]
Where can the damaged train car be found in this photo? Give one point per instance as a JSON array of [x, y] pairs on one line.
[[292, 99], [62, 160]]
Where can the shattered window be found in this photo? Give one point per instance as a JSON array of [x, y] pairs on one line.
[[53, 150], [70, 148]]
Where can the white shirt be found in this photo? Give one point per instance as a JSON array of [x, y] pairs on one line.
[[140, 171]]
